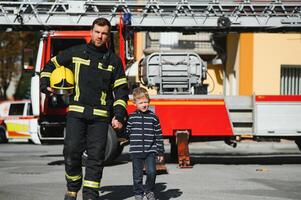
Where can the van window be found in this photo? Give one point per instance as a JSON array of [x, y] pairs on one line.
[[29, 109], [16, 109]]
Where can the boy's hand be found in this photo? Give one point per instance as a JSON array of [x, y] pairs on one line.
[[116, 124], [160, 158]]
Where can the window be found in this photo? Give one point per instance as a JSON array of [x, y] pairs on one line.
[[59, 44], [290, 82], [29, 109], [16, 109]]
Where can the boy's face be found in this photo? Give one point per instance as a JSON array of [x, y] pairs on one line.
[[142, 104]]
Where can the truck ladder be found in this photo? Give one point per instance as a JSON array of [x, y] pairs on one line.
[[154, 15]]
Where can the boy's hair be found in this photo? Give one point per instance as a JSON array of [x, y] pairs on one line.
[[139, 93], [101, 22]]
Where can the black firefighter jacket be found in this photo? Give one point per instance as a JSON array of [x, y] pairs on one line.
[[101, 88]]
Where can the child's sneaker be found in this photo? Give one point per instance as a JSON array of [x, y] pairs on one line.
[[138, 197], [70, 196], [150, 196]]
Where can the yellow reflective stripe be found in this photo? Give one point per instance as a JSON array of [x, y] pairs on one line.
[[103, 98], [120, 102], [80, 61], [76, 80], [76, 108], [119, 82], [45, 74], [99, 112], [54, 61], [110, 67], [91, 184], [73, 178], [63, 87]]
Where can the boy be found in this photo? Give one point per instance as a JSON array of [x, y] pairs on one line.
[[146, 144]]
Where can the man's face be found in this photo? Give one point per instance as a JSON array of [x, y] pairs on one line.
[[100, 35], [142, 104]]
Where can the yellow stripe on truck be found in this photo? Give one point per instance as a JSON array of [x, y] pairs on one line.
[[17, 127]]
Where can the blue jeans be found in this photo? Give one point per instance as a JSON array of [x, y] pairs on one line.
[[150, 165]]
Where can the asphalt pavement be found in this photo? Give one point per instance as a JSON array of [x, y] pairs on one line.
[[252, 171]]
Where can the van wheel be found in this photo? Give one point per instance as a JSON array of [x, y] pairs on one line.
[[113, 148], [3, 138]]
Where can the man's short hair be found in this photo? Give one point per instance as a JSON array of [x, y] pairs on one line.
[[101, 22], [139, 93]]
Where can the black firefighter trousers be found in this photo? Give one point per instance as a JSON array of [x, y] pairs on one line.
[[84, 134]]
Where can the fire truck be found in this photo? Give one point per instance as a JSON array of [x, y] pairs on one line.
[[186, 112]]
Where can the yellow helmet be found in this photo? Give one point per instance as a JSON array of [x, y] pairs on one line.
[[62, 80]]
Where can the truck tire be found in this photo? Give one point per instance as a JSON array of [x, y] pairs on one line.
[[173, 149], [3, 138], [113, 148]]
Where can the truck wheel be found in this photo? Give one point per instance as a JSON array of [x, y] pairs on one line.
[[173, 149], [3, 138], [298, 143], [113, 148]]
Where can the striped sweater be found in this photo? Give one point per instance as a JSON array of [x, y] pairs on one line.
[[144, 132]]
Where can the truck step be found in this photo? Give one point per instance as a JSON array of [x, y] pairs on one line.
[[240, 109], [242, 130], [235, 103], [241, 117]]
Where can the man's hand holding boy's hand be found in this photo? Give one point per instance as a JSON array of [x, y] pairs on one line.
[[116, 124]]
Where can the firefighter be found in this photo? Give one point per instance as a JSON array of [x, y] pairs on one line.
[[99, 98]]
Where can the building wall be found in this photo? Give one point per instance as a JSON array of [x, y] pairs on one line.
[[232, 64], [215, 78], [246, 60], [139, 42], [254, 61], [270, 52]]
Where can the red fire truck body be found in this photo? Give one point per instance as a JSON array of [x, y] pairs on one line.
[[201, 117]]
